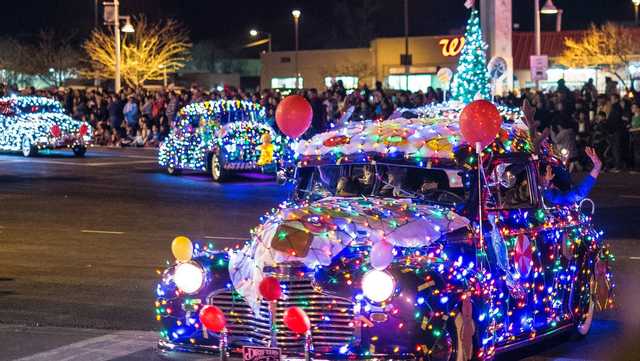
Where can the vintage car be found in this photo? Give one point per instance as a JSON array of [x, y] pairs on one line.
[[381, 245], [224, 136], [29, 124]]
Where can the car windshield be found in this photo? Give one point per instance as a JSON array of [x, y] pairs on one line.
[[431, 185]]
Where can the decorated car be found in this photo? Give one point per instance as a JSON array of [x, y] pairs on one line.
[[224, 136], [29, 124], [390, 247]]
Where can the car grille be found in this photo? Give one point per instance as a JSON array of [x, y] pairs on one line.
[[331, 317]]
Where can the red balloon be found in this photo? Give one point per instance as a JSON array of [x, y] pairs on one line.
[[270, 288], [213, 318], [293, 115], [84, 128], [55, 130], [297, 320], [480, 122]]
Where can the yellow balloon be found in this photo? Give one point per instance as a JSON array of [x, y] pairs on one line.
[[182, 248]]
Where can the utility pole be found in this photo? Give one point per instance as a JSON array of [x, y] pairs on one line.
[[407, 63], [116, 27], [296, 21]]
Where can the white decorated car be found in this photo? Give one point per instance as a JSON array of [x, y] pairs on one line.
[[29, 124]]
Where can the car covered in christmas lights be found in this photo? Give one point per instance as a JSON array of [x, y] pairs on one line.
[[224, 136], [383, 247], [29, 124]]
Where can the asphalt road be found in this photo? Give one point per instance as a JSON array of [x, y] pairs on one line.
[[81, 240]]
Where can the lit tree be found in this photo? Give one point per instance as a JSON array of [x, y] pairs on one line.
[[471, 80], [146, 54], [609, 47]]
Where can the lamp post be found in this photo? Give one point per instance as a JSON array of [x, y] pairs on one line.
[[548, 8], [296, 20], [636, 3], [127, 28], [254, 33]]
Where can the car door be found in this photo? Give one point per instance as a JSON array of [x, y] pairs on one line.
[[513, 205]]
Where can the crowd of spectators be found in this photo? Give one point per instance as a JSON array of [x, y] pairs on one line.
[[572, 119]]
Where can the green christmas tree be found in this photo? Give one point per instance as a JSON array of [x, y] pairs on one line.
[[471, 80]]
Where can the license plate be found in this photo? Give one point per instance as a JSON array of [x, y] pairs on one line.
[[251, 353]]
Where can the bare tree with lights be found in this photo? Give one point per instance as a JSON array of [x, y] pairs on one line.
[[149, 53], [609, 47]]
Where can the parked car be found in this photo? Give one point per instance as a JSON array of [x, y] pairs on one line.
[[381, 245], [29, 124], [224, 136]]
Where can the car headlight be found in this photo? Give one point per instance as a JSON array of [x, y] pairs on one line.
[[378, 286], [189, 277]]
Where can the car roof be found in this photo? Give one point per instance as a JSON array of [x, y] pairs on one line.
[[433, 136]]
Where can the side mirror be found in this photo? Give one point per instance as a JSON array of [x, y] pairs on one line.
[[285, 175], [281, 177]]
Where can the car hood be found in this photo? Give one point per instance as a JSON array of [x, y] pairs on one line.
[[314, 233]]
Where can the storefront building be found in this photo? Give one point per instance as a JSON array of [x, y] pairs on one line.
[[382, 62]]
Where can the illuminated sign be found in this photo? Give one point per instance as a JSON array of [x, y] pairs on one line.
[[452, 47]]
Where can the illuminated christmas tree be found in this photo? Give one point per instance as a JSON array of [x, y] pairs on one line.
[[471, 80]]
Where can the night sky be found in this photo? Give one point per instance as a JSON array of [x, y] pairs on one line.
[[323, 24]]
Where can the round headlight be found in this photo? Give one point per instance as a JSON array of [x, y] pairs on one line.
[[377, 285], [189, 277]]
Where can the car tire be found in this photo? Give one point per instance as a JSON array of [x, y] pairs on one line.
[[28, 149], [79, 150], [583, 326], [216, 167], [173, 170]]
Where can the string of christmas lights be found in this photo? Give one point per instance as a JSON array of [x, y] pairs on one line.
[[29, 122], [231, 128], [396, 277]]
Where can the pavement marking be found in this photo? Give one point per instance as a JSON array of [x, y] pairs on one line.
[[85, 164], [100, 164], [102, 348], [635, 258], [231, 238], [100, 232], [631, 196]]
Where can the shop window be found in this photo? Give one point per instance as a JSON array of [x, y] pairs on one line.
[[349, 82], [286, 83], [416, 82]]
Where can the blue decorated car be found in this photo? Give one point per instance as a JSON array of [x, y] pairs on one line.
[[29, 124], [224, 136], [382, 247]]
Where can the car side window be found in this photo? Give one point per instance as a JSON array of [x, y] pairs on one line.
[[510, 186]]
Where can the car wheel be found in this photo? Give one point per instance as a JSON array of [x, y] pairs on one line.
[[79, 150], [216, 168], [172, 170], [583, 326], [28, 149]]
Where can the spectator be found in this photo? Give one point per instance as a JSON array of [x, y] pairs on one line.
[[131, 112], [617, 129]]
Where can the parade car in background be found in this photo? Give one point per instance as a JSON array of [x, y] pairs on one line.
[[380, 246], [29, 124], [221, 137]]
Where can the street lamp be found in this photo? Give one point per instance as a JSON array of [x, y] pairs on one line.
[[548, 8], [254, 33], [296, 20], [636, 3], [127, 28]]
